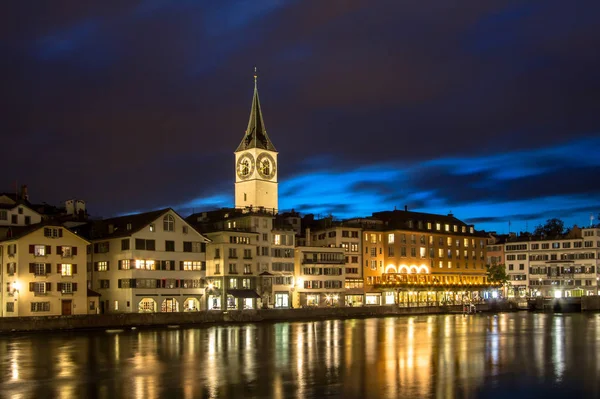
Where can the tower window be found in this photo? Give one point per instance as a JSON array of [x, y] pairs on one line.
[[245, 197]]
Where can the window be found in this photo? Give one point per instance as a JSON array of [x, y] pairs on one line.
[[449, 241], [40, 250], [145, 264], [66, 288], [373, 251], [13, 219], [101, 247], [373, 238], [52, 232], [27, 220], [391, 238], [147, 245], [40, 306], [413, 239], [152, 228], [169, 246], [346, 246], [40, 269], [194, 246], [169, 223], [447, 227], [11, 268], [66, 269], [217, 268], [192, 265], [38, 288], [511, 267], [353, 247], [102, 266], [20, 210], [390, 251], [105, 283], [232, 268], [247, 268], [233, 283], [403, 251], [125, 264], [125, 244], [3, 215], [66, 252], [233, 253], [10, 306], [422, 252], [413, 252]]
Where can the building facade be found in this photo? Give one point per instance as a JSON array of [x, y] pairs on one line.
[[419, 259], [43, 272], [147, 262], [348, 237], [320, 277], [556, 268]]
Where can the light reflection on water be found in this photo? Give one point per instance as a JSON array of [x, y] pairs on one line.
[[424, 356]]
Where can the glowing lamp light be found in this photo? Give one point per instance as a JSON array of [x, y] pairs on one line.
[[557, 294], [210, 286], [16, 286], [494, 294]]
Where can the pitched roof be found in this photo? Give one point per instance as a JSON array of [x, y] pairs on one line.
[[256, 133], [16, 232], [117, 227]]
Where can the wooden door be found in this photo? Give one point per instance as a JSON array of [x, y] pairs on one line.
[[66, 307]]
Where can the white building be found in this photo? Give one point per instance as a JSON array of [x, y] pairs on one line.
[[15, 211], [147, 262], [555, 268]]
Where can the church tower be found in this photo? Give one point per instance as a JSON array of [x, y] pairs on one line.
[[256, 164]]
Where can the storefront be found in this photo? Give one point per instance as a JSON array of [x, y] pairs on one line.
[[354, 300], [373, 299], [282, 300]]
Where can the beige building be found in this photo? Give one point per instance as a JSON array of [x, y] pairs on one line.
[[147, 262], [320, 277], [43, 272]]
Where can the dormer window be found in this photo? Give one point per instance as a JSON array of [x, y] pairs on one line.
[[471, 230], [169, 223], [20, 211], [152, 228], [447, 227], [464, 229], [438, 226], [128, 226]]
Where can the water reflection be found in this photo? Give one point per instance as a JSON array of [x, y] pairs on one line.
[[425, 356]]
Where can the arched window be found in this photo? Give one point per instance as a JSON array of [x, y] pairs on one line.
[[169, 223]]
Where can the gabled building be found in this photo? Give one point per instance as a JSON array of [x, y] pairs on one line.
[[147, 262], [320, 277], [43, 272]]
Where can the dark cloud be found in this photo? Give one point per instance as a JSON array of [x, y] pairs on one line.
[[140, 105]]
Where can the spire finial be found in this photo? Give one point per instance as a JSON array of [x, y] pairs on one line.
[[255, 76]]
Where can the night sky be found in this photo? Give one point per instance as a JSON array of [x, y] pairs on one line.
[[489, 109]]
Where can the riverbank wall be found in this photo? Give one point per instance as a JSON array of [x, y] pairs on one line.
[[141, 320]]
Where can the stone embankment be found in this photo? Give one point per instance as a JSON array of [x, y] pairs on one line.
[[140, 320]]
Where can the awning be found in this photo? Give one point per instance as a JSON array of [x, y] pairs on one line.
[[243, 293], [91, 293], [266, 273]]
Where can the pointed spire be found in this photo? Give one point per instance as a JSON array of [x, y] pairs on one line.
[[256, 133]]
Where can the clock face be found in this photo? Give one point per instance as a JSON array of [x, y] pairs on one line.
[[245, 166], [265, 165]]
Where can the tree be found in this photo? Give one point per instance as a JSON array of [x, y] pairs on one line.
[[497, 273], [553, 228]]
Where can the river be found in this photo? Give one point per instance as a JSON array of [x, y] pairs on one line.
[[516, 355]]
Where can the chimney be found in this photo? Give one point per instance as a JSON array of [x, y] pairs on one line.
[[405, 208], [307, 234], [111, 228], [24, 195]]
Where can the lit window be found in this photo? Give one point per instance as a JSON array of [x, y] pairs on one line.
[[102, 266], [455, 228], [192, 265], [438, 226], [391, 238], [428, 225], [152, 228], [39, 250], [447, 227], [449, 241], [277, 239], [441, 264], [449, 264], [66, 270]]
